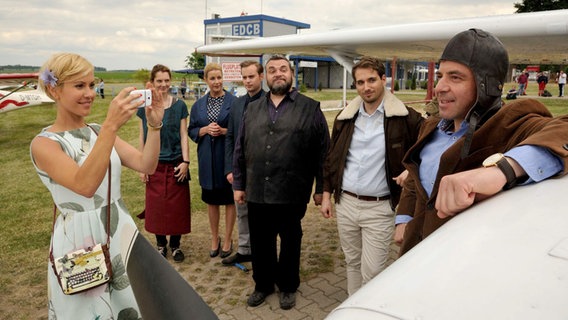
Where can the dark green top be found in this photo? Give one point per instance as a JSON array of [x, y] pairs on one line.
[[170, 140]]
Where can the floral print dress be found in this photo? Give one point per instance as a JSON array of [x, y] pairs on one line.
[[81, 223]]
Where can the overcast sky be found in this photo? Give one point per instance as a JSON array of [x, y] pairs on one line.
[[120, 34]]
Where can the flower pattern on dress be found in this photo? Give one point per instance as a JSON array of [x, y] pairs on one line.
[[82, 222]]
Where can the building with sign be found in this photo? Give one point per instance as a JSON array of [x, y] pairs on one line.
[[219, 30], [313, 72], [310, 71], [222, 30]]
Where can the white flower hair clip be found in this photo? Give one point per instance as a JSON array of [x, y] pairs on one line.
[[48, 78]]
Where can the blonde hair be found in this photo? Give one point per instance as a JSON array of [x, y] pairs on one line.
[[211, 67], [65, 66]]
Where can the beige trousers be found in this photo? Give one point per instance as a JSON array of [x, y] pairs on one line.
[[365, 231]]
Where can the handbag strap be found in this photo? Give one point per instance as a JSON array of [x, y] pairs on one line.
[[107, 209]]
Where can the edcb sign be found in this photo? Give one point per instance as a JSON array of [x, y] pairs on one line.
[[246, 29]]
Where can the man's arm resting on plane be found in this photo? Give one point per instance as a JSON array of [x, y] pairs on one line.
[[459, 191]]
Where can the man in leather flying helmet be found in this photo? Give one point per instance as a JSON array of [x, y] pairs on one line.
[[476, 146]]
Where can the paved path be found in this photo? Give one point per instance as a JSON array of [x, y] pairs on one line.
[[315, 298], [226, 290], [323, 283]]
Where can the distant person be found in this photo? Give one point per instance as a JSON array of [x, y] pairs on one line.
[[75, 161], [183, 86], [477, 147], [527, 84], [368, 141], [542, 80], [102, 88], [167, 208], [561, 83], [174, 90], [253, 74], [522, 80], [512, 93], [208, 121], [279, 152]]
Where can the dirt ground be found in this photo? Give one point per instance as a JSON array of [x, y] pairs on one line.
[[223, 288]]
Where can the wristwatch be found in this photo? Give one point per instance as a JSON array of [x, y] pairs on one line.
[[499, 160]]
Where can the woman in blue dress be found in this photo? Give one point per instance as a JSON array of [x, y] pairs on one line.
[[208, 122]]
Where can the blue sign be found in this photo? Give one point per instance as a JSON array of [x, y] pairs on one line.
[[247, 29]]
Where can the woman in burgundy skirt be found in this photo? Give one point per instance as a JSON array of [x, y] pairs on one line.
[[168, 202]]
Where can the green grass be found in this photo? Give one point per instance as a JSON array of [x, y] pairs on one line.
[[119, 77], [115, 76], [27, 209], [329, 94]]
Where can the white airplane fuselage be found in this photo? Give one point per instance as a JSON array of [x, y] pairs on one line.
[[504, 258], [19, 100]]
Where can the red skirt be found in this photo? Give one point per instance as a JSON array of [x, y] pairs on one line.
[[168, 203]]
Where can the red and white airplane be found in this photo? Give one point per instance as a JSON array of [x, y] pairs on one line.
[[16, 93], [504, 258]]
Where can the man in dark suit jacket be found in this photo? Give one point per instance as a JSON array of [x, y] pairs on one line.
[[279, 152], [253, 74]]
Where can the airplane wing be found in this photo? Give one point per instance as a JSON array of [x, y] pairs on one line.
[[12, 80], [530, 38], [18, 76], [160, 291], [504, 258]]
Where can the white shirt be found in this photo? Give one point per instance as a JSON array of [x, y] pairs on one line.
[[562, 78], [365, 172]]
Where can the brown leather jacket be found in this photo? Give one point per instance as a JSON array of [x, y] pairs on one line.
[[523, 122], [402, 125]]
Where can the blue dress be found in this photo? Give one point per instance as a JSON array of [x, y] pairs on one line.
[[210, 150]]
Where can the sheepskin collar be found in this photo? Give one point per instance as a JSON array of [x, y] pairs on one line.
[[393, 107]]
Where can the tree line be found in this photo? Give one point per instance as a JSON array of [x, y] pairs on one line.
[[25, 68]]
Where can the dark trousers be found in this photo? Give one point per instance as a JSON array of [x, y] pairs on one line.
[[266, 223], [162, 241]]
